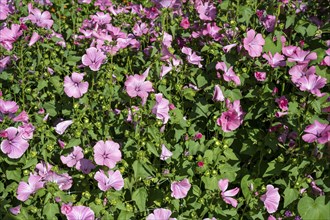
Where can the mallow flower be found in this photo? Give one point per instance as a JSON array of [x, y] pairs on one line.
[[161, 108], [253, 43], [74, 87], [271, 199], [61, 127], [93, 58], [160, 214], [14, 146], [107, 153], [217, 94], [166, 154], [73, 158], [317, 132], [24, 189], [111, 180], [81, 213], [180, 188], [228, 194]]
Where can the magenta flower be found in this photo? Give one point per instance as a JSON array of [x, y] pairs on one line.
[[66, 208], [229, 74], [165, 153], [271, 199], [260, 76], [180, 188], [24, 189], [14, 146], [302, 57], [137, 86], [40, 19], [227, 195], [7, 107], [268, 22], [9, 36], [113, 180], [206, 11], [192, 56], [93, 58], [253, 43], [62, 126], [34, 38], [312, 84], [161, 108], [80, 213], [282, 103], [74, 87], [73, 158], [274, 61], [217, 94], [160, 214], [185, 23], [107, 153], [317, 132]]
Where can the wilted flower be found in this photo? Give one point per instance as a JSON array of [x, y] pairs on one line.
[[165, 153], [228, 194]]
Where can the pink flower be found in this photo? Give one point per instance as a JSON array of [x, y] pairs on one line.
[[289, 50], [227, 195], [93, 58], [4, 62], [326, 60], [66, 208], [7, 107], [113, 180], [200, 163], [139, 30], [271, 199], [317, 132], [161, 108], [107, 153], [282, 103], [192, 56], [217, 94], [299, 71], [85, 165], [206, 11], [73, 158], [137, 86], [229, 74], [185, 23], [26, 131], [302, 57], [74, 87], [253, 43], [274, 61], [227, 48], [80, 213], [312, 83], [15, 210], [198, 136], [24, 189], [180, 188], [164, 70], [269, 22], [165, 153], [260, 76], [9, 36], [64, 181], [22, 117], [62, 126], [34, 38], [43, 169], [14, 146], [40, 19], [229, 120], [160, 214]]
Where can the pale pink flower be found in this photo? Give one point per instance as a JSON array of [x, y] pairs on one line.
[[160, 214], [107, 153], [80, 213], [260, 76], [301, 70], [4, 9], [217, 94], [40, 19], [166, 154], [180, 188], [164, 70], [24, 189], [227, 48], [229, 74], [14, 146], [4, 62], [7, 107], [289, 50], [326, 60], [15, 210], [137, 86], [26, 131], [66, 208], [62, 126], [185, 23], [274, 61], [85, 165], [73, 158], [228, 194], [9, 36], [302, 57], [140, 29], [161, 108], [34, 38], [282, 103], [312, 84], [93, 58], [271, 199], [22, 117], [167, 39], [43, 169], [317, 132], [206, 11], [111, 180], [253, 43], [74, 87], [64, 181], [231, 119], [192, 57]]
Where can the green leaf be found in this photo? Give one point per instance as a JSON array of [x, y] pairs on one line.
[[125, 215], [290, 195], [73, 142], [189, 94], [301, 29], [311, 30], [140, 197], [55, 80], [14, 174], [50, 108], [310, 209], [140, 170], [230, 155], [289, 21], [50, 210], [201, 81], [245, 183], [210, 183], [42, 84]]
